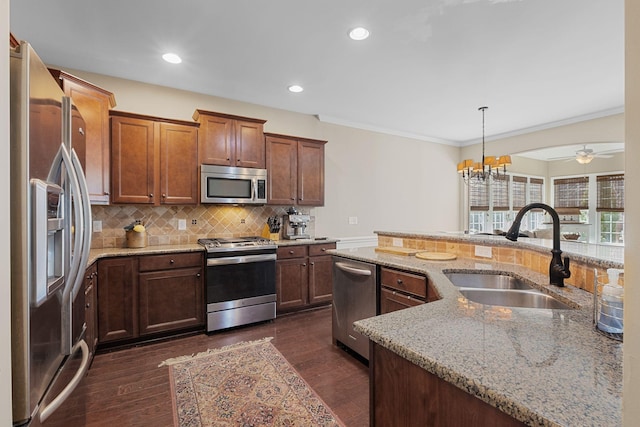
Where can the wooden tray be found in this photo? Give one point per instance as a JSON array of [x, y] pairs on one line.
[[436, 256], [396, 250]]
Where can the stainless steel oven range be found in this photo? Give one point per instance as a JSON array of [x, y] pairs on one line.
[[241, 281]]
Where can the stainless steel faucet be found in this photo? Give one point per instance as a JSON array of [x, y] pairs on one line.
[[557, 270]]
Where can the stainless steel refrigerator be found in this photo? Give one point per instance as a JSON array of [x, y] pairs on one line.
[[50, 241]]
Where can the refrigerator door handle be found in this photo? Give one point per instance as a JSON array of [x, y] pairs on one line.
[[69, 388], [83, 196]]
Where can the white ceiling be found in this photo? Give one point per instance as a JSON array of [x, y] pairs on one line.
[[425, 70]]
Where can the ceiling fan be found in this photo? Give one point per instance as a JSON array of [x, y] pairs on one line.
[[584, 156]]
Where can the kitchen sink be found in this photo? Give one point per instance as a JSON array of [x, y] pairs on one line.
[[500, 289], [486, 281], [513, 298]]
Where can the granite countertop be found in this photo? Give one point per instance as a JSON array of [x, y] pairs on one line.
[[311, 241], [543, 367]]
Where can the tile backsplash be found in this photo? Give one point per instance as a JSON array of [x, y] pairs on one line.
[[161, 222]]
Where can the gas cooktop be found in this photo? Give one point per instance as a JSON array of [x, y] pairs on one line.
[[236, 243]]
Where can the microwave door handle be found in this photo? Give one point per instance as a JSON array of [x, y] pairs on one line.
[[254, 187]]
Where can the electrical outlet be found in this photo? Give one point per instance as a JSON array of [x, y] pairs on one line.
[[483, 251], [353, 220], [194, 221], [97, 226], [242, 221], [397, 242], [182, 224]]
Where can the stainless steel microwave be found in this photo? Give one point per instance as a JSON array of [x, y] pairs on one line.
[[231, 185]]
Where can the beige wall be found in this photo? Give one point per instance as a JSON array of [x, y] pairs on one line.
[[5, 278], [387, 182], [631, 409]]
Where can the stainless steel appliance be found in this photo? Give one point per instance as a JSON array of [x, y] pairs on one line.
[[50, 240], [241, 281], [231, 185], [295, 224], [354, 298]]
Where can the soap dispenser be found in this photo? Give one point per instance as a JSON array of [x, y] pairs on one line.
[[610, 303]]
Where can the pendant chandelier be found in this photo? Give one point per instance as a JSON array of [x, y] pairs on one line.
[[488, 168]]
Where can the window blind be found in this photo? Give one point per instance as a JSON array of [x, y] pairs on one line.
[[478, 195], [535, 190], [519, 192], [610, 193], [571, 192], [500, 193]]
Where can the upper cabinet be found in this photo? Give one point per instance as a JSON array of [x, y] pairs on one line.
[[154, 160], [228, 140], [295, 170], [94, 104], [13, 41]]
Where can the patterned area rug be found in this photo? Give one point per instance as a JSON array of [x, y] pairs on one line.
[[245, 384]]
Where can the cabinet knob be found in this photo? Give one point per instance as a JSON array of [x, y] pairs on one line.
[[291, 252], [323, 249], [88, 305], [198, 275], [164, 196], [399, 281], [150, 194], [171, 261], [304, 264], [106, 193], [312, 263]]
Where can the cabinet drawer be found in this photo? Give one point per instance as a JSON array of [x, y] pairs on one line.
[[315, 250], [405, 282], [170, 261], [296, 251], [391, 300]]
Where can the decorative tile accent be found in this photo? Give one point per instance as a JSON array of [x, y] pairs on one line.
[[161, 222]]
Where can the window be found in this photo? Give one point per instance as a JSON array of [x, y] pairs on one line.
[[610, 208]]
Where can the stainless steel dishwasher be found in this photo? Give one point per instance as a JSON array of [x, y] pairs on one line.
[[354, 298]]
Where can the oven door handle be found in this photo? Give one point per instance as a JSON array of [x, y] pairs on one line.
[[243, 259]]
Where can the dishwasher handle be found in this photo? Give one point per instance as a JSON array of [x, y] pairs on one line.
[[353, 270]]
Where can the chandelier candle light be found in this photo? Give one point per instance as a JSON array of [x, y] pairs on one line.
[[489, 166]]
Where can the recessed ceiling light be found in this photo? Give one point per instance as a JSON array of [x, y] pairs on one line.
[[296, 88], [359, 33], [172, 58]]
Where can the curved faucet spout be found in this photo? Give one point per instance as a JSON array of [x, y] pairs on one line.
[[558, 271]]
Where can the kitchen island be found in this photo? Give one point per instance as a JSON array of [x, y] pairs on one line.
[[540, 366]]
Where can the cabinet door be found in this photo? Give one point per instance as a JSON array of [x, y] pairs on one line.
[[133, 156], [117, 299], [178, 164], [170, 300], [94, 104], [90, 300], [215, 140], [292, 284], [282, 164], [320, 279], [249, 144], [310, 173]]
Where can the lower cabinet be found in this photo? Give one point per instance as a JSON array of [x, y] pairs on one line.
[[304, 276], [401, 289], [149, 294], [403, 395]]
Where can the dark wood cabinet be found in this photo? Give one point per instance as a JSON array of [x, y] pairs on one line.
[[401, 289], [296, 170], [117, 299], [171, 295], [91, 305], [228, 140], [405, 395], [94, 104], [154, 161], [304, 276], [149, 295]]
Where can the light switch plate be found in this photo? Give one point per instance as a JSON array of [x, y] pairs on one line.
[[182, 224], [397, 242], [97, 226], [353, 220]]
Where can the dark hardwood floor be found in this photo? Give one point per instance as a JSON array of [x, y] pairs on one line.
[[126, 387]]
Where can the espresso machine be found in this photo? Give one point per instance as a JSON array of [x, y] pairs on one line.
[[295, 224]]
